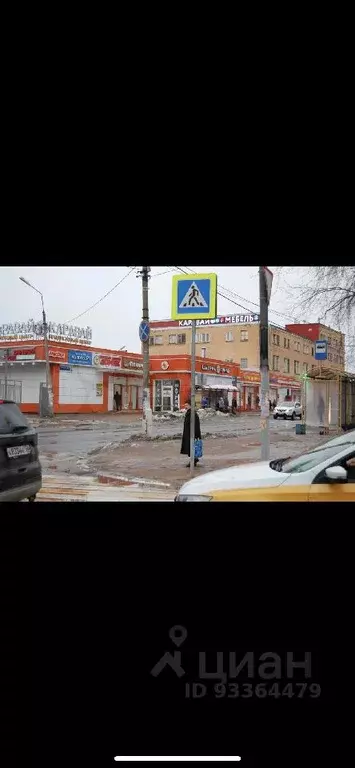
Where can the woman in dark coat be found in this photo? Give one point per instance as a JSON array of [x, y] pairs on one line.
[[185, 444]]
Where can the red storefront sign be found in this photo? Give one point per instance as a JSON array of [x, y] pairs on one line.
[[57, 354], [107, 361], [279, 381], [16, 355]]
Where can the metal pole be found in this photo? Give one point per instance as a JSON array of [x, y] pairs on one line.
[[7, 352], [48, 371], [264, 368], [147, 411], [193, 401]]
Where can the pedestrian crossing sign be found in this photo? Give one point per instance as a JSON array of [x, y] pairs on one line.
[[194, 297]]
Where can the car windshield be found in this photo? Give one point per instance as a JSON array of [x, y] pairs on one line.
[[311, 459], [11, 419], [286, 405]]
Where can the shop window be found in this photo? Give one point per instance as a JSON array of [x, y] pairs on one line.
[[276, 363], [296, 366], [202, 338], [286, 365], [153, 340], [243, 362], [244, 335], [229, 336], [13, 390]]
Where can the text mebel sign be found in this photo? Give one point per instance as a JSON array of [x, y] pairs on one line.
[[56, 332], [224, 320]]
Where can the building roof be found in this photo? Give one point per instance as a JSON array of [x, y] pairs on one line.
[[328, 374]]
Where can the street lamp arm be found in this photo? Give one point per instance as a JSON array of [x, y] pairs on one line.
[[31, 286]]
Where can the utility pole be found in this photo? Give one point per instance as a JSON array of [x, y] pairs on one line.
[[193, 399], [48, 370], [7, 352], [46, 409], [265, 283], [147, 411]]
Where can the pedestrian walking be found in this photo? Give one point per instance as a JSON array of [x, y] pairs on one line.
[[117, 399], [185, 443], [234, 405], [321, 409]]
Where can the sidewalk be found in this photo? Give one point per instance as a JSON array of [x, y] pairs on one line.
[[74, 488], [159, 460], [73, 420]]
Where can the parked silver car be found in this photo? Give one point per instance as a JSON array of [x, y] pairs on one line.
[[288, 410]]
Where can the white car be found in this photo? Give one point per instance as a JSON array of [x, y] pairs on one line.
[[326, 473], [288, 410]]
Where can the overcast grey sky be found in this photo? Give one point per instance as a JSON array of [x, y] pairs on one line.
[[69, 291]]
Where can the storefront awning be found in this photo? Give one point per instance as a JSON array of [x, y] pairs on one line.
[[221, 388]]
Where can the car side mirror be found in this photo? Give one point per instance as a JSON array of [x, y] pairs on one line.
[[336, 474]]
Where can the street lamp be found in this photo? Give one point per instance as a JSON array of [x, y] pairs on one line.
[[46, 352]]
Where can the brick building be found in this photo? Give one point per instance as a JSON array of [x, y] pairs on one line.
[[235, 339]]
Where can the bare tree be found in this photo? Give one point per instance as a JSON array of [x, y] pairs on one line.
[[328, 293]]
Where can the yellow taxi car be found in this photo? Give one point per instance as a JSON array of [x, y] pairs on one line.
[[326, 473]]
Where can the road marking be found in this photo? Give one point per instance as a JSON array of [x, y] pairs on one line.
[[194, 759]]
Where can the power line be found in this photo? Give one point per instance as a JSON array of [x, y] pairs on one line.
[[163, 273], [102, 298], [229, 290]]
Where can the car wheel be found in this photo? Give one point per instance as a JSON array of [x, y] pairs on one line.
[[32, 498], [293, 417], [285, 417], [275, 417]]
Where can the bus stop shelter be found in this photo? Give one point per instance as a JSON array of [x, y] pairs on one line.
[[329, 399]]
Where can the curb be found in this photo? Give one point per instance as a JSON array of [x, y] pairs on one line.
[[104, 477]]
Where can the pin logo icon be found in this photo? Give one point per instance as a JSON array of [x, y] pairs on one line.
[[178, 635]]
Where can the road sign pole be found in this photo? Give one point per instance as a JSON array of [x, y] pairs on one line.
[[147, 411], [265, 292], [193, 399], [194, 296]]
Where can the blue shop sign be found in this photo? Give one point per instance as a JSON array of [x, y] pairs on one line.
[[79, 357]]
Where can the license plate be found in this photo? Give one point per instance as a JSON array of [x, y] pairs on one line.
[[18, 450]]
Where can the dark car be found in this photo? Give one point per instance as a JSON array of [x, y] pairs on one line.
[[20, 469]]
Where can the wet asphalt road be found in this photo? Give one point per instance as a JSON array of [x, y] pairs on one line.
[[66, 449]]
